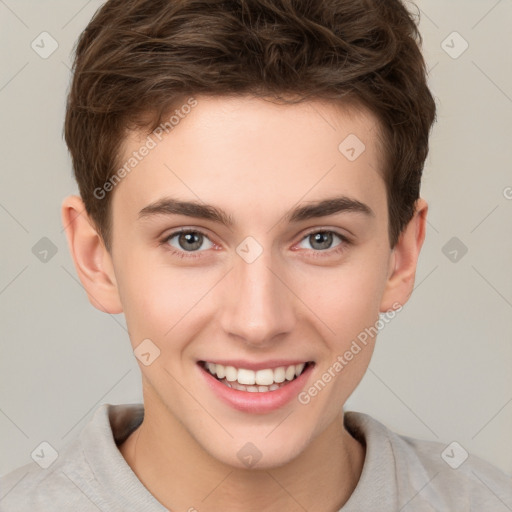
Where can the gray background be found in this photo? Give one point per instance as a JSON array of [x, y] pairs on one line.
[[442, 368]]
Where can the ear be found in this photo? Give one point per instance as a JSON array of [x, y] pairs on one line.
[[404, 259], [92, 260]]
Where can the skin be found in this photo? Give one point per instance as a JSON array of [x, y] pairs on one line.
[[256, 160]]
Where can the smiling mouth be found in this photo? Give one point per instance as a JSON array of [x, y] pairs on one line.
[[255, 381]]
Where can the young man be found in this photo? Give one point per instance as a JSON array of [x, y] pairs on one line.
[[249, 176]]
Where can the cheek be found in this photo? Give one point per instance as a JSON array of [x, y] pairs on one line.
[[159, 301], [347, 299]]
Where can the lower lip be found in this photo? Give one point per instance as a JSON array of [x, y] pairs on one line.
[[257, 402]]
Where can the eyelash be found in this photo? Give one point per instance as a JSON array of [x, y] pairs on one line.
[[316, 253]]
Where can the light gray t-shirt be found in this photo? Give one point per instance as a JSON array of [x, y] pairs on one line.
[[399, 473]]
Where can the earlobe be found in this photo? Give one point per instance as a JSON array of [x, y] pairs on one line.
[[93, 262], [404, 260]]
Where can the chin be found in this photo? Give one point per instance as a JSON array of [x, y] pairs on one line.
[[258, 452]]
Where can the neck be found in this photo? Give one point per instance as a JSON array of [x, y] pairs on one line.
[[182, 476]]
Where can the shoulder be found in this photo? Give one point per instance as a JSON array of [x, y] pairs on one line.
[[468, 480], [445, 476], [61, 486], [89, 473]]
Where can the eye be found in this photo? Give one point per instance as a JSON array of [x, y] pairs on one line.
[[187, 243], [322, 240], [187, 240]]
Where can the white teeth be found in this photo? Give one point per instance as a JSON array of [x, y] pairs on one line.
[[264, 377], [280, 374], [221, 371], [231, 373], [247, 377], [260, 380], [290, 373]]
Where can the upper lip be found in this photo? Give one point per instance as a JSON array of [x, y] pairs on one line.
[[253, 365]]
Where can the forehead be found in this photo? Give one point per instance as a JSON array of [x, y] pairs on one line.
[[249, 153]]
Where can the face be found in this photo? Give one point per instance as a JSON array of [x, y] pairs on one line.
[[267, 283]]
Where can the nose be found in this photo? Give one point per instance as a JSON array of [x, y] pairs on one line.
[[257, 305]]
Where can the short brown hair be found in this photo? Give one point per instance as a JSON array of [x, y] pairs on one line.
[[137, 59]]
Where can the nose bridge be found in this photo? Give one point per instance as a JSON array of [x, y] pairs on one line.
[[257, 305]]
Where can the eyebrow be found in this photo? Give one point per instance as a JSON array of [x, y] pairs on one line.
[[315, 209]]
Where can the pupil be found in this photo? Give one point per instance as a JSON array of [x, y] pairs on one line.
[[193, 241], [318, 237]]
